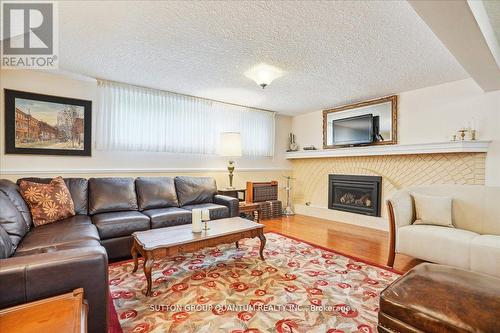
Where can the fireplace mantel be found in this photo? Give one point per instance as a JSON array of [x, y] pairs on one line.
[[406, 149]]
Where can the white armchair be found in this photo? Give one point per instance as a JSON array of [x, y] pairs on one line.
[[473, 244]]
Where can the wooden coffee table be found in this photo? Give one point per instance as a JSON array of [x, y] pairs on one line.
[[163, 242]]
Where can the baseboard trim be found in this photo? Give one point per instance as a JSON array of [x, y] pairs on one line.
[[13, 172]]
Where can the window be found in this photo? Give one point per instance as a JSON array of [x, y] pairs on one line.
[[132, 118]]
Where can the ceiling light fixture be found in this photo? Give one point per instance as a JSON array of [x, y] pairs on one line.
[[263, 74]]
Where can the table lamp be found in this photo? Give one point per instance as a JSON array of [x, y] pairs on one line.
[[230, 147]]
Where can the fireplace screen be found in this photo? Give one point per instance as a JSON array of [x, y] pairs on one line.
[[355, 194]]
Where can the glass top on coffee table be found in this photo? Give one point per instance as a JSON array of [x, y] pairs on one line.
[[182, 234]]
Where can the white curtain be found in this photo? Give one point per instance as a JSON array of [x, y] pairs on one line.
[[132, 118]]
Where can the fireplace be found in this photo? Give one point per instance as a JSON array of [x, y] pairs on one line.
[[355, 194]]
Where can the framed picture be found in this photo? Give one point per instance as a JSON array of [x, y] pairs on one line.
[[384, 120], [48, 125]]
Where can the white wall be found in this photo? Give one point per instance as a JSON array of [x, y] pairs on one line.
[[102, 162], [431, 115]]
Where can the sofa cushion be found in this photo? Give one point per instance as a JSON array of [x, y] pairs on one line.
[[118, 248], [75, 244], [76, 231], [216, 211], [111, 195], [195, 190], [118, 224], [443, 245], [11, 193], [485, 254], [48, 202], [433, 210], [11, 220], [78, 187], [168, 217], [6, 248], [156, 192]]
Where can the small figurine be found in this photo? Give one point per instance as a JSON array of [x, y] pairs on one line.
[[292, 145]]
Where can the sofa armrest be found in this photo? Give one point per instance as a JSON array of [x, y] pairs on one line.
[[232, 203], [33, 277], [402, 208], [401, 213]]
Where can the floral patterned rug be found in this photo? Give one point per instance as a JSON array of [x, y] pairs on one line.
[[298, 288]]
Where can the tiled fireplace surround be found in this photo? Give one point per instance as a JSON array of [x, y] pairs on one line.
[[397, 172]]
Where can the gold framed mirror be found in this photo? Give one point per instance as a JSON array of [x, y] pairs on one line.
[[380, 114]]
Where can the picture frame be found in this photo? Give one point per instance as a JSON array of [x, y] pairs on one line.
[[385, 107], [47, 125]]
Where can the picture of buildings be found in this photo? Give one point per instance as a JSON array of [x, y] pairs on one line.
[[48, 125]]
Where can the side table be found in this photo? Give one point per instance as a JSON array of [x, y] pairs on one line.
[[63, 313], [252, 208], [237, 193]]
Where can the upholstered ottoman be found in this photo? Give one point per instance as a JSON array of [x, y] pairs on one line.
[[437, 298]]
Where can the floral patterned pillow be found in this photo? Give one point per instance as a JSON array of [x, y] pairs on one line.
[[48, 202]]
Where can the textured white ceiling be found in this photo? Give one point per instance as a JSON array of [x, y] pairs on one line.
[[333, 52], [493, 11]]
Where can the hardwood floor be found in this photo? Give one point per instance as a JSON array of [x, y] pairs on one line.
[[361, 242]]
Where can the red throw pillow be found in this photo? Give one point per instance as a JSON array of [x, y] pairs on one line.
[[48, 202]]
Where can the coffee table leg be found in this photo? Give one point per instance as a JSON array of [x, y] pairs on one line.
[[262, 244], [134, 256], [237, 245], [148, 265]]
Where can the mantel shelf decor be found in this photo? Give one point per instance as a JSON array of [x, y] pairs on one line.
[[406, 149]]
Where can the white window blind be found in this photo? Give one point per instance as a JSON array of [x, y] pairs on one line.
[[132, 118]]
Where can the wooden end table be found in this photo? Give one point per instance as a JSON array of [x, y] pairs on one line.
[[235, 193], [63, 313], [254, 208], [159, 243]]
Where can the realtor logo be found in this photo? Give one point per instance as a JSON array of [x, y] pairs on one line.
[[29, 35]]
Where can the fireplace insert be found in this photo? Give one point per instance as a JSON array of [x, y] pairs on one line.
[[355, 194]]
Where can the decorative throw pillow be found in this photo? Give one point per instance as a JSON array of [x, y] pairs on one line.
[[433, 210], [48, 202]]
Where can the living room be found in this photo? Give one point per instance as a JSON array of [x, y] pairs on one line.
[[309, 166]]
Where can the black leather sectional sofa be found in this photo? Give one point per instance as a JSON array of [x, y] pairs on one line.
[[56, 258]]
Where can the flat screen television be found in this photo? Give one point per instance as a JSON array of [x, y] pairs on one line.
[[353, 130]]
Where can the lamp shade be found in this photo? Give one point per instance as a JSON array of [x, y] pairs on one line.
[[230, 144]]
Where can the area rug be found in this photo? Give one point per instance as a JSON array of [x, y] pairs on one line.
[[298, 288]]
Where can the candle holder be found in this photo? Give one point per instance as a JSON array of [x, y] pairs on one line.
[[462, 134], [472, 134], [205, 223], [205, 217]]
